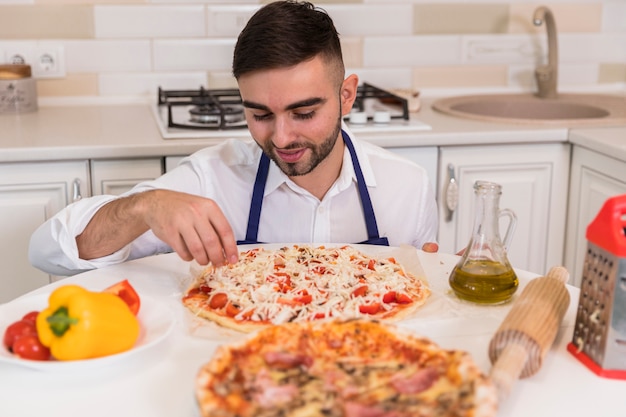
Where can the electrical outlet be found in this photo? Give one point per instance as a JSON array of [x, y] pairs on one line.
[[19, 55], [48, 61]]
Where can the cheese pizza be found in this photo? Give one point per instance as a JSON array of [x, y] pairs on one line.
[[354, 368], [300, 283]]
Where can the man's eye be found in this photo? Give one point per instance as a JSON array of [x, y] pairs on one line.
[[261, 117], [305, 116]]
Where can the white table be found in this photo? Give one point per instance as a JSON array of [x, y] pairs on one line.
[[159, 381]]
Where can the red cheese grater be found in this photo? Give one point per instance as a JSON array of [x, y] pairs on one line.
[[599, 339]]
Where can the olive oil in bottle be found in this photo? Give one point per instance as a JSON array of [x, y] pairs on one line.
[[484, 281], [484, 274]]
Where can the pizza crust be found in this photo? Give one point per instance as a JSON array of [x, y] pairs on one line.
[[228, 385], [198, 308]]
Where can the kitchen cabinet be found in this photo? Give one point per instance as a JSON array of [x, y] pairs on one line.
[[172, 161], [116, 176], [426, 156], [594, 178], [30, 193], [534, 179]]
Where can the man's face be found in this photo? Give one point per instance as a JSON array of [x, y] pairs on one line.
[[294, 114]]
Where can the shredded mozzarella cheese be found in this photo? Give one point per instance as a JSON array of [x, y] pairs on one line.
[[301, 283]]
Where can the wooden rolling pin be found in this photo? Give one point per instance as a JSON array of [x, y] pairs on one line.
[[527, 332]]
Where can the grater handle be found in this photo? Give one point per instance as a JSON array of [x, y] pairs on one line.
[[608, 228]]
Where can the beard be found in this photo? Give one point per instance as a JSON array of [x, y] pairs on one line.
[[317, 154]]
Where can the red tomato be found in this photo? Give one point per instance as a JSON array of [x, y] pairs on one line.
[[372, 308], [232, 310], [389, 297], [360, 291], [402, 298], [126, 292], [218, 300], [29, 347], [304, 299], [31, 316], [18, 330]]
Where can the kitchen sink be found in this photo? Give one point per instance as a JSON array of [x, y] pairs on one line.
[[569, 109]]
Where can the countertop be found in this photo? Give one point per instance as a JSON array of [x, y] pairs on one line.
[[101, 131], [158, 379], [609, 141]]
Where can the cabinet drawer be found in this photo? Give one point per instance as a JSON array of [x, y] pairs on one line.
[[116, 176]]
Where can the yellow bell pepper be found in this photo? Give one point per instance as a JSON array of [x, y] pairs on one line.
[[81, 324]]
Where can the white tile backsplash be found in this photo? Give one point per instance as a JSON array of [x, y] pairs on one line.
[[394, 51], [186, 43], [149, 21], [228, 20], [147, 83], [500, 49], [578, 74], [569, 76], [592, 47], [105, 56], [193, 54], [384, 77], [614, 16], [374, 20]]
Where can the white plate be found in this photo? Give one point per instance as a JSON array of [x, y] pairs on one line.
[[156, 321]]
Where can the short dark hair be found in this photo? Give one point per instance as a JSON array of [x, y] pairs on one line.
[[285, 33]]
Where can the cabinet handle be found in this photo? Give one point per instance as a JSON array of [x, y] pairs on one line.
[[451, 194], [76, 195]]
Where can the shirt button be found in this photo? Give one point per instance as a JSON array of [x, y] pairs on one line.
[[320, 210]]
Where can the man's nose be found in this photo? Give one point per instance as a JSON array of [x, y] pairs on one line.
[[283, 132]]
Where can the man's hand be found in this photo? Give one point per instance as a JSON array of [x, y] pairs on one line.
[[193, 226]]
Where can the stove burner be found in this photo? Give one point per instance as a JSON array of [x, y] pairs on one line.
[[212, 114]]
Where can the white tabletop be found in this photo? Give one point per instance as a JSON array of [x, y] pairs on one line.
[[159, 380]]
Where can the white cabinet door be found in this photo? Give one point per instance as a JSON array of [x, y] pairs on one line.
[[426, 156], [31, 193], [172, 162], [116, 176], [534, 181], [595, 178]]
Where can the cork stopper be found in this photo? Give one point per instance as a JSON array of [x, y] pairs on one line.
[[14, 71]]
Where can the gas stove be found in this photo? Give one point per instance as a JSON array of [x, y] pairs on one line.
[[211, 113]]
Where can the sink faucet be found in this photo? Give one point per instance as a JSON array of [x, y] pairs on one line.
[[546, 75]]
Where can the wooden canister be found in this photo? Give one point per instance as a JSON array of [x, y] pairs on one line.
[[18, 90]]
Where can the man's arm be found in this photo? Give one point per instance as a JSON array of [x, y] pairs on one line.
[[193, 226]]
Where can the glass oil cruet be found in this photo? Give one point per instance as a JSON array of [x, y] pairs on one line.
[[484, 273]]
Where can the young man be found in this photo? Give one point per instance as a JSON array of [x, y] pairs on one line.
[[306, 179]]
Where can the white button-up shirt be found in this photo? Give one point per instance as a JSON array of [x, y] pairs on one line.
[[401, 194]]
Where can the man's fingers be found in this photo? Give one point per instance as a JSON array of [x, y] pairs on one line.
[[431, 247], [227, 239]]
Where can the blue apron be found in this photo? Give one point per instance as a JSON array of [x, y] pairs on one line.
[[259, 188]]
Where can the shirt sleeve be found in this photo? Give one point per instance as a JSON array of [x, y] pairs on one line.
[[53, 247]]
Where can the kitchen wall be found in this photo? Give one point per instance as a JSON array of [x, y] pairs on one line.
[[121, 49]]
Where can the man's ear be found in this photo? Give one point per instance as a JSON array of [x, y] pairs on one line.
[[349, 89]]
